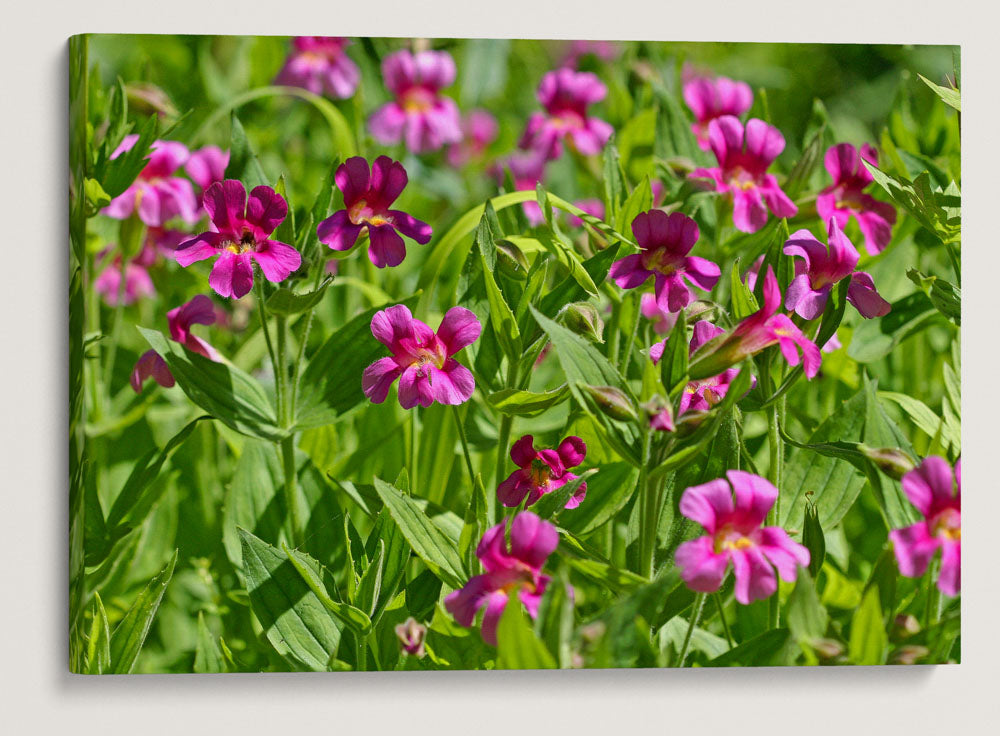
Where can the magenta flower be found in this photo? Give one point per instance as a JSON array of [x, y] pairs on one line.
[[138, 284], [200, 311], [420, 116], [156, 194], [421, 359], [744, 154], [711, 98], [665, 241], [845, 198], [938, 496], [735, 534], [662, 319], [206, 166], [321, 65], [242, 229], [479, 130], [701, 394], [367, 198], [566, 94], [543, 471], [517, 569], [527, 171]]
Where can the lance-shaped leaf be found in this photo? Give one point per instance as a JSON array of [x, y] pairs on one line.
[[517, 646], [131, 632]]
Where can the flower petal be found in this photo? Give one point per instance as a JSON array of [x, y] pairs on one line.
[[232, 275], [386, 248], [266, 209], [338, 232], [701, 568], [459, 328], [707, 503], [225, 202], [411, 227], [277, 260], [378, 378]]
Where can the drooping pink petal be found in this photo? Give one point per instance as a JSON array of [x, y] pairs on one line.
[[701, 568], [232, 275], [754, 577], [150, 364], [415, 388], [950, 578], [378, 378], [914, 547], [496, 602], [513, 489], [749, 212], [572, 451], [277, 260], [386, 248], [707, 502], [862, 294]]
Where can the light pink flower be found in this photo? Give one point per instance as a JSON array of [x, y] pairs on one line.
[[710, 98], [663, 320], [138, 284], [242, 230], [479, 130], [665, 241], [156, 194], [744, 155], [736, 535], [421, 359], [821, 268], [516, 569], [200, 311], [321, 65], [543, 471], [566, 95], [937, 494], [420, 116], [845, 198], [368, 195]]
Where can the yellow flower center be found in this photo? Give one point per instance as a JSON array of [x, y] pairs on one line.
[[947, 525]]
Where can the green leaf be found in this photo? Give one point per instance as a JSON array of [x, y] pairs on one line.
[[761, 651], [207, 655], [924, 417], [949, 95], [606, 575], [430, 544], [640, 200], [875, 338], [131, 632], [223, 390], [99, 644], [674, 360], [243, 162], [744, 303], [938, 211], [309, 570], [607, 493], [868, 641], [813, 539], [501, 317], [286, 303], [614, 185], [517, 646], [97, 198], [806, 616], [475, 524], [294, 619], [120, 172], [518, 403], [945, 296]]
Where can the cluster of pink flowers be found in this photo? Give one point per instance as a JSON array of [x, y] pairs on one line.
[[846, 198], [566, 94], [321, 65], [712, 97], [198, 311]]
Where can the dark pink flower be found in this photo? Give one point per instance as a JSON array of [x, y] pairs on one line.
[[845, 198], [937, 494], [516, 569], [156, 194], [242, 230], [206, 166], [744, 155], [321, 65], [821, 268], [420, 116], [566, 95], [421, 359], [200, 311], [665, 241], [542, 471], [479, 130], [736, 534], [710, 98], [367, 198]]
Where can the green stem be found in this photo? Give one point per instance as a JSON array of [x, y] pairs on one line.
[[647, 512], [627, 357], [506, 424], [465, 445], [114, 333], [696, 607], [258, 288], [722, 617], [291, 491], [774, 446]]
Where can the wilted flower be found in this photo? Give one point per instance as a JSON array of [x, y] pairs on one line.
[[321, 65], [411, 635], [421, 359], [744, 155], [420, 116], [517, 570], [845, 198], [241, 231], [479, 130], [937, 494], [710, 98], [156, 194], [821, 268], [665, 241], [735, 534], [566, 94], [367, 198], [200, 311], [543, 471]]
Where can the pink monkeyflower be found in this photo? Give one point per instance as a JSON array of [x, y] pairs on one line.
[[367, 198], [206, 166], [662, 319], [138, 284], [420, 116], [744, 154], [603, 50], [710, 98], [321, 65], [156, 194], [198, 311], [665, 241], [479, 130], [516, 569], [662, 418], [821, 268], [594, 207], [845, 198], [566, 94], [543, 471], [704, 393], [527, 171], [242, 228], [421, 359], [735, 534], [937, 494]]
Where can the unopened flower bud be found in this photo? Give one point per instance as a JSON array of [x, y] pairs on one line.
[[613, 402], [660, 413], [148, 98], [905, 625], [583, 319], [909, 654], [511, 260], [891, 461], [827, 648], [411, 636]]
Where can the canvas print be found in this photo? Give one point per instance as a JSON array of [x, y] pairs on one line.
[[454, 354]]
